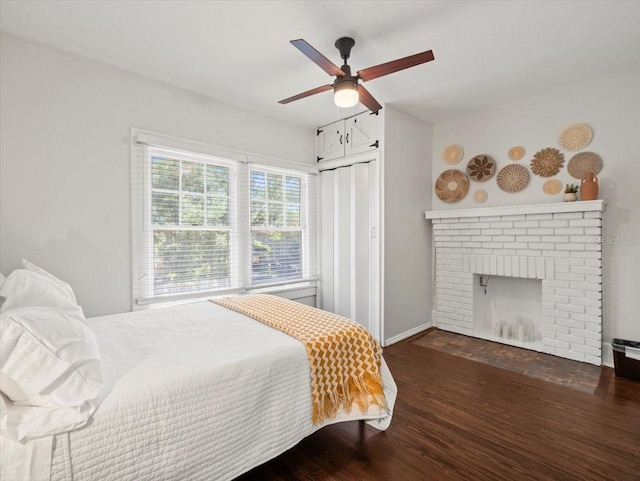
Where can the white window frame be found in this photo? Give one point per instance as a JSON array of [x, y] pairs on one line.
[[145, 144], [149, 153], [306, 261]]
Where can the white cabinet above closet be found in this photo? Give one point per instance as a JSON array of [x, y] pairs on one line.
[[346, 137], [330, 141], [361, 133]]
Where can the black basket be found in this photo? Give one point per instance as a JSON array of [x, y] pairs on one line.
[[625, 366]]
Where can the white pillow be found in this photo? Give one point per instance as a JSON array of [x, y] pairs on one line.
[[34, 268], [34, 286], [51, 379]]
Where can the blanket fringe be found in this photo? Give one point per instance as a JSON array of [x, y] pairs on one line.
[[363, 391]]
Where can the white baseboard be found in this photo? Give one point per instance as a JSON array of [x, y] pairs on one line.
[[406, 334], [607, 354]]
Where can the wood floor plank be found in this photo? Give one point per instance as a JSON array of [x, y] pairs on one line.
[[458, 419]]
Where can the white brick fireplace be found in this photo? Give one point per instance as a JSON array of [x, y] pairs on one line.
[[559, 244]]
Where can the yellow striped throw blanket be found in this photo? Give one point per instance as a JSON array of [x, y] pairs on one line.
[[343, 356]]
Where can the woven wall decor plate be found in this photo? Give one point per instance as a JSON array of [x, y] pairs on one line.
[[452, 154], [584, 162], [480, 196], [513, 178], [552, 187], [576, 137], [452, 185], [547, 162], [481, 168], [516, 153]]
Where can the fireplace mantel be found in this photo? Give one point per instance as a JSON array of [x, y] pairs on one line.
[[556, 207]]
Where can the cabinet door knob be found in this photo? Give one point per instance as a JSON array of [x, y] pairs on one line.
[[346, 139], [375, 144], [341, 140]]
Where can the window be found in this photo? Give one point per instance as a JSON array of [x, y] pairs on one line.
[[276, 226], [206, 224], [191, 225]]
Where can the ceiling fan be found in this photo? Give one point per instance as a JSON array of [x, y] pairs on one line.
[[347, 90]]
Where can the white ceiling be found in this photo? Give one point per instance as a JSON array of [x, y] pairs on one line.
[[486, 52]]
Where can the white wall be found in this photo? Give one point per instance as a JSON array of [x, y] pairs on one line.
[[611, 106], [407, 241], [65, 200]]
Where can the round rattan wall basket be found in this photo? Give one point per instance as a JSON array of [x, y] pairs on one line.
[[516, 153], [552, 187], [547, 162], [452, 154], [513, 178], [576, 137], [452, 185], [481, 168], [480, 196], [584, 162]]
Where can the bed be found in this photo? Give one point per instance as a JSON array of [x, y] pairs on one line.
[[196, 392]]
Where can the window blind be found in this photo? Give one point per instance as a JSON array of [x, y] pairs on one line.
[[205, 224]]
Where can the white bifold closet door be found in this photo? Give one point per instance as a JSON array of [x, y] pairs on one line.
[[350, 247]]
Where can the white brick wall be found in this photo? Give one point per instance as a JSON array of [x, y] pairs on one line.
[[563, 250]]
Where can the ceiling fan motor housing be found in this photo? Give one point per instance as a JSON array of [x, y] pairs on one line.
[[346, 81]]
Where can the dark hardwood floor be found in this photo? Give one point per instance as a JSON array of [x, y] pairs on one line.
[[457, 419]]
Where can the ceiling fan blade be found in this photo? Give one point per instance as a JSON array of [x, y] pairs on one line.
[[323, 62], [395, 65], [308, 93], [367, 99]]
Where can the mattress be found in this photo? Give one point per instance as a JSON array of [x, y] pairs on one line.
[[194, 392]]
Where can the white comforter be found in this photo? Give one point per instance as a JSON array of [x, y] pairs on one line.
[[194, 392]]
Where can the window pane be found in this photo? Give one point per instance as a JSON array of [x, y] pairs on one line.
[[293, 190], [274, 186], [217, 180], [276, 256], [164, 173], [192, 177], [165, 209], [217, 211], [258, 213], [192, 210], [258, 186], [190, 261], [293, 216], [276, 214]]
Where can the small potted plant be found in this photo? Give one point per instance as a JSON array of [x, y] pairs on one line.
[[570, 193]]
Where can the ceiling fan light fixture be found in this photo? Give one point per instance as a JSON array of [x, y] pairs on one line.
[[345, 94]]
